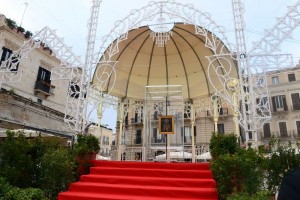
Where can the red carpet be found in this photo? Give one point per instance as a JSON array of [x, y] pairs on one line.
[[144, 181]]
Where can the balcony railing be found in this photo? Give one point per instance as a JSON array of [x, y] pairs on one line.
[[222, 112], [291, 134], [41, 86], [138, 141], [136, 120]]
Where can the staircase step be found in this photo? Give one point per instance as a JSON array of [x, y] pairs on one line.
[[158, 181], [141, 190], [152, 165], [95, 196], [151, 173]]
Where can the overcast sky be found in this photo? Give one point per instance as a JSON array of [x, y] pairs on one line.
[[69, 18]]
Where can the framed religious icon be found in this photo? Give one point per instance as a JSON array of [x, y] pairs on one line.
[[166, 124]]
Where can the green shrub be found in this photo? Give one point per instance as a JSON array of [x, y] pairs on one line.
[[28, 34], [20, 29], [223, 144], [283, 158], [86, 143], [36, 163], [238, 172], [9, 192], [262, 195], [16, 165], [11, 23], [57, 172]]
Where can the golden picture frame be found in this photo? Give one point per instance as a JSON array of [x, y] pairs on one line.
[[166, 124]]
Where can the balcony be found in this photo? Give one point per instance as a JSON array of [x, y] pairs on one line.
[[44, 88], [158, 140], [138, 141], [223, 112], [137, 120], [156, 116], [283, 135]]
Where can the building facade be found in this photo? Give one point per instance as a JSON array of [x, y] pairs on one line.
[[284, 89], [105, 136], [33, 101]]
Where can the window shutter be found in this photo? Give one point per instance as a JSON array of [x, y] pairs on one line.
[[257, 101], [195, 131], [291, 77], [155, 134], [274, 104], [296, 101], [283, 129], [284, 103], [298, 127], [48, 76], [267, 131], [126, 119], [39, 74]]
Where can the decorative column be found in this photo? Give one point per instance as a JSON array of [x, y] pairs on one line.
[[99, 113], [193, 136], [119, 146], [236, 114], [144, 137], [216, 113], [233, 86]]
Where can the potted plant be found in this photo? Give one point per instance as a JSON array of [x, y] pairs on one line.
[[11, 23], [28, 34], [87, 144], [86, 149]]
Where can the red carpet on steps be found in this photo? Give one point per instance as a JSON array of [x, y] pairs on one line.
[[144, 181]]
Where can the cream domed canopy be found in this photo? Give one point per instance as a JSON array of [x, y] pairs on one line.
[[182, 61]]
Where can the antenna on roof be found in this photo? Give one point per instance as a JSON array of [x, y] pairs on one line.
[[26, 4]]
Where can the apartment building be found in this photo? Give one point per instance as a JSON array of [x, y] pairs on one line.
[[105, 136], [32, 100], [284, 89]]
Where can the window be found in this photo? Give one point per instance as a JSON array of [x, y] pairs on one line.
[[187, 134], [138, 117], [260, 81], [291, 77], [262, 102], [221, 129], [6, 54], [283, 129], [267, 130], [298, 127], [43, 81], [39, 101], [138, 137], [275, 80], [126, 120], [295, 101], [279, 103], [155, 116], [158, 137], [187, 112]]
